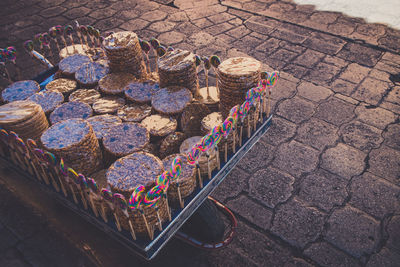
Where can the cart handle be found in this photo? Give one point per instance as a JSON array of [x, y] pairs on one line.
[[210, 246]]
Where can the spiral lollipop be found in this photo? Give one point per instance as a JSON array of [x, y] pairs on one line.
[[215, 62], [170, 48], [68, 31], [53, 32], [121, 203], [51, 162], [38, 40], [12, 136], [11, 55], [46, 43], [91, 33], [39, 156], [152, 199], [146, 47], [3, 60], [97, 36], [134, 204], [93, 190], [176, 170], [84, 32], [77, 180], [28, 45]]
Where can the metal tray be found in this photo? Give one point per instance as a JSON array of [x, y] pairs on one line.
[[143, 246]]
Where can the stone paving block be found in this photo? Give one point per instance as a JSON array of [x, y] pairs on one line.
[[233, 184], [162, 26], [259, 156], [79, 12], [7, 239], [52, 11], [317, 133], [296, 109], [338, 62], [391, 106], [283, 55], [201, 39], [380, 75], [280, 131], [361, 136], [271, 186], [393, 229], [313, 92], [297, 224], [355, 73], [335, 111], [341, 29], [102, 13], [258, 247], [385, 162], [371, 91], [296, 70], [324, 44], [295, 158], [327, 255], [134, 25], [309, 58], [269, 45], [53, 248], [374, 116], [171, 38], [252, 211], [385, 258], [288, 36], [108, 24], [394, 95], [219, 28], [322, 73], [387, 66], [323, 189], [353, 231], [12, 258], [390, 41], [258, 27], [249, 43], [392, 136], [343, 87], [180, 17], [360, 54], [374, 196], [155, 15], [344, 160], [284, 89]]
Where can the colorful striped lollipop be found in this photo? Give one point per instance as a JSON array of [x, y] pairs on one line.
[[53, 32], [106, 194], [123, 205], [83, 31], [92, 185], [161, 50], [146, 47], [94, 189], [68, 31], [134, 204]]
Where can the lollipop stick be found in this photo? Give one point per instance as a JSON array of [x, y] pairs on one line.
[[248, 126], [241, 134], [71, 188], [117, 223], [199, 175], [218, 161], [7, 73], [96, 213], [269, 103], [208, 165], [53, 181], [148, 62], [208, 89], [103, 212], [168, 209], [226, 150], [159, 220], [44, 175], [181, 201], [234, 141], [132, 230], [149, 231]]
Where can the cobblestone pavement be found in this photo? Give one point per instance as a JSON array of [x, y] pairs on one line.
[[322, 187]]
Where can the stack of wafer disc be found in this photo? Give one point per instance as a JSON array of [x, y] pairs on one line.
[[134, 112], [115, 83], [26, 118], [62, 85], [89, 74], [171, 100], [19, 90], [88, 96], [209, 97], [101, 124], [159, 125], [49, 100], [124, 53], [74, 141], [141, 92], [123, 139], [126, 174], [71, 110], [171, 143], [71, 64], [235, 77], [186, 180], [178, 67], [191, 118], [215, 119], [186, 147], [108, 105]]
